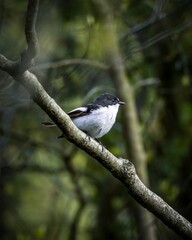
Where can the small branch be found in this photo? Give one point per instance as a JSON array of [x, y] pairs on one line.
[[68, 62], [156, 16], [30, 30], [159, 18], [7, 65], [31, 36], [147, 82], [26, 61]]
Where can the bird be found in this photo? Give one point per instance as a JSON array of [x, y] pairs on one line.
[[96, 118]]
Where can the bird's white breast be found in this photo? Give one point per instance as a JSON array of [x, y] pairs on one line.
[[99, 122]]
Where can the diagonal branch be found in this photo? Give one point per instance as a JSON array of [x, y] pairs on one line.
[[122, 169]]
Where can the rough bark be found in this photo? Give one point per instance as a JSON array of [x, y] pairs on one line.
[[122, 169]]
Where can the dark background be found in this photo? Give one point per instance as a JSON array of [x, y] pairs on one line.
[[49, 189]]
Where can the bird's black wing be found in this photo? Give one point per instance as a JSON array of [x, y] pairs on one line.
[[83, 111], [77, 112]]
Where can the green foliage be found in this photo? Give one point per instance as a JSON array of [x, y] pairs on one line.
[[48, 188]]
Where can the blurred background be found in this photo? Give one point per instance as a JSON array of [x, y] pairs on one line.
[[49, 189]]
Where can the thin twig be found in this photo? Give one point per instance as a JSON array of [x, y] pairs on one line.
[[68, 62], [31, 36]]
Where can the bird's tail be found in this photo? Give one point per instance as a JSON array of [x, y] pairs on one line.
[[49, 124]]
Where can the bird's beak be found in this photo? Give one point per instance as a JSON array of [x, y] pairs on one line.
[[121, 103]]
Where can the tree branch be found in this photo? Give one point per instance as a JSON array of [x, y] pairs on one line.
[[31, 36], [122, 169], [30, 30], [156, 16], [26, 61], [69, 62]]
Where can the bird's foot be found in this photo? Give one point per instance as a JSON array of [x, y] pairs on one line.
[[102, 146], [97, 140]]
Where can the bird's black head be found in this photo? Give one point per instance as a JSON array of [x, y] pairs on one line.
[[107, 99]]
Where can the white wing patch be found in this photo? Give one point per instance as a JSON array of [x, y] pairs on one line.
[[80, 109]]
